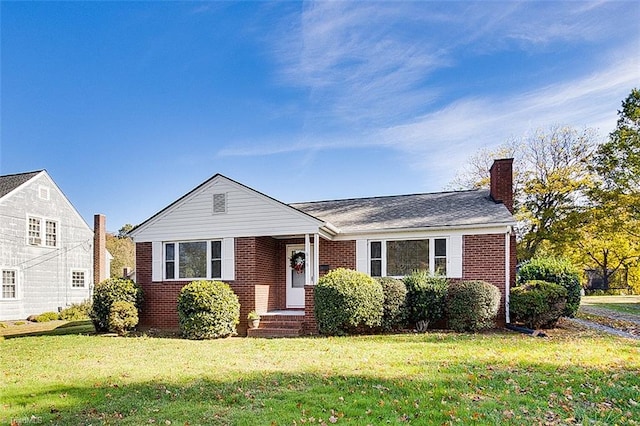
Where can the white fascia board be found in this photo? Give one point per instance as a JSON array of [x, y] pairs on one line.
[[431, 232]]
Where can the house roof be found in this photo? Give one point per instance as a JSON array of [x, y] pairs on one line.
[[443, 209], [10, 182]]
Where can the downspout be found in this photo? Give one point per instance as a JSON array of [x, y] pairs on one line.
[[507, 274]]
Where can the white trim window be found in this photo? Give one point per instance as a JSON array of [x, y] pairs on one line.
[[9, 284], [78, 278], [38, 227], [193, 260], [398, 258]]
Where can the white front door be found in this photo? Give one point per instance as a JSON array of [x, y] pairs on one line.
[[296, 275]]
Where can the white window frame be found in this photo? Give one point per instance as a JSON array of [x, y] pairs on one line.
[[16, 283], [176, 260], [41, 239], [432, 253], [43, 193], [84, 282]]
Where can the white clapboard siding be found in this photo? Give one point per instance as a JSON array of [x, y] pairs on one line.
[[249, 213]]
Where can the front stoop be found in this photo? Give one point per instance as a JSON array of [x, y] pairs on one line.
[[279, 324]]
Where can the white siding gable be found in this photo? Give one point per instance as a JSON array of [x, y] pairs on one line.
[[248, 213]]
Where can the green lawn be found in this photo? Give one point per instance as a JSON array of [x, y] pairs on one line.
[[624, 304], [437, 378]]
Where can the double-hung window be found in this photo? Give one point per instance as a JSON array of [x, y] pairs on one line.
[[193, 260], [9, 284], [398, 258], [38, 228]]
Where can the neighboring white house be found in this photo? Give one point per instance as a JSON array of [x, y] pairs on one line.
[[46, 248]]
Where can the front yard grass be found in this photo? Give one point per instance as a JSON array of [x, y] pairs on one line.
[[622, 304], [572, 377]]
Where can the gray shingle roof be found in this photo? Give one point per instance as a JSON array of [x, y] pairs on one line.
[[10, 182], [443, 209]]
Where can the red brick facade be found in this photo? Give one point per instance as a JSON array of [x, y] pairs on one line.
[[501, 185], [260, 264], [484, 259]]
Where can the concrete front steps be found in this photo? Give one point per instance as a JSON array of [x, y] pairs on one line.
[[279, 324]]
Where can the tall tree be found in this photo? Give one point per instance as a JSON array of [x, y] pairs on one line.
[[122, 249], [551, 176]]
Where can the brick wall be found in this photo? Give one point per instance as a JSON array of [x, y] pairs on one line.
[[483, 259]]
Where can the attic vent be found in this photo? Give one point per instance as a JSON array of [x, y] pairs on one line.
[[43, 192], [219, 203]]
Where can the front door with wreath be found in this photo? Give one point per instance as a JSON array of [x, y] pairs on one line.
[[296, 266]]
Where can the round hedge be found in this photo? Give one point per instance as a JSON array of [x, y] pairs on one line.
[[123, 316], [425, 298], [347, 300], [394, 304], [555, 270], [472, 305], [109, 291], [208, 310], [537, 304]]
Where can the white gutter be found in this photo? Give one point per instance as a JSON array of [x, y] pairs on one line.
[[507, 275]]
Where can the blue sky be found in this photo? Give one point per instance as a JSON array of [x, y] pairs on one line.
[[129, 105]]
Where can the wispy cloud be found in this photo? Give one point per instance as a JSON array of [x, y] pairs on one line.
[[373, 74]]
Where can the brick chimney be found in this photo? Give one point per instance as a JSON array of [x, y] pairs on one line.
[[501, 174], [100, 272]]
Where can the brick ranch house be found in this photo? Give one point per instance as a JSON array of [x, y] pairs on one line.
[[226, 231]]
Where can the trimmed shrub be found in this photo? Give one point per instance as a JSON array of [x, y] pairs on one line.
[[394, 304], [347, 300], [107, 293], [425, 298], [537, 304], [47, 316], [208, 310], [77, 311], [123, 316], [558, 271], [472, 305]]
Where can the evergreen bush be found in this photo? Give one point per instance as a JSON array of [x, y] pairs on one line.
[[208, 310], [109, 291], [47, 316], [472, 305], [346, 301], [425, 298], [394, 304], [76, 311], [123, 316], [555, 270], [537, 304]]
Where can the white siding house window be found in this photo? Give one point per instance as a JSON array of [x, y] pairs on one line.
[[193, 260], [398, 258], [219, 203], [9, 284], [37, 228], [34, 231], [51, 233], [78, 279]]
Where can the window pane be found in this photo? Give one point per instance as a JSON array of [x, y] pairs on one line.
[[169, 270], [216, 268], [193, 260], [216, 249], [77, 279], [376, 268], [441, 266], [403, 257], [441, 247], [50, 233], [376, 250], [169, 252], [8, 284]]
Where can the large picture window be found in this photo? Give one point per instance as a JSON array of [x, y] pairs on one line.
[[193, 260], [398, 258]]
